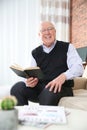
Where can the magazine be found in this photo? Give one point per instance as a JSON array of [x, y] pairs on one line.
[[42, 116]]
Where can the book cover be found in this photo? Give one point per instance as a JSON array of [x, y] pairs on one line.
[[27, 72]]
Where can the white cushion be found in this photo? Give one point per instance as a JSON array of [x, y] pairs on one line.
[[80, 92], [4, 91], [74, 102], [85, 72]]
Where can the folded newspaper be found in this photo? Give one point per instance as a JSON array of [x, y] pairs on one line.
[[42, 115]]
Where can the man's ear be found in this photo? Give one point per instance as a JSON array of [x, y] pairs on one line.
[[55, 30], [39, 34]]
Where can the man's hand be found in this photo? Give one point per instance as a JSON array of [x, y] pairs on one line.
[[31, 82], [56, 84]]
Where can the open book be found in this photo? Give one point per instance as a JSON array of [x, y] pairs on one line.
[[27, 72]]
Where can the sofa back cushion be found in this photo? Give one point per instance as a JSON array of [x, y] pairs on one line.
[[80, 83]]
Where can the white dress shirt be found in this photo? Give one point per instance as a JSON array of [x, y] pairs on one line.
[[74, 62]]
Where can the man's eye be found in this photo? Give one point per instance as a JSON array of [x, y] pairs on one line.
[[48, 29]]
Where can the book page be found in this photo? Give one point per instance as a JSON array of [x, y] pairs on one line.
[[16, 66], [32, 68]]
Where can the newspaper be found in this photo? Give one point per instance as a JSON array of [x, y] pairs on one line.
[[42, 116]]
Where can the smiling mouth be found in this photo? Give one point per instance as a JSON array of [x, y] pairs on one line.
[[48, 37]]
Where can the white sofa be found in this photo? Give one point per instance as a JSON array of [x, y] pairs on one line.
[[79, 100], [4, 91]]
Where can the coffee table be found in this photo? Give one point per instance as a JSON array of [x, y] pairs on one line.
[[76, 120]]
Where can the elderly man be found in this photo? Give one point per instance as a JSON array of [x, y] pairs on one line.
[[59, 62]]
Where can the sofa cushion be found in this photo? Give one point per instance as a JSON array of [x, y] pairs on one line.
[[4, 90], [80, 92], [74, 102], [80, 83]]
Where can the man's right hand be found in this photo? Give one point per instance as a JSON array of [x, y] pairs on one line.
[[31, 82]]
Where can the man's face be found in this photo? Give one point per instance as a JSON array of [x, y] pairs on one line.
[[47, 33]]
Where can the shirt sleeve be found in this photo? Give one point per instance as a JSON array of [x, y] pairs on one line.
[[74, 62]]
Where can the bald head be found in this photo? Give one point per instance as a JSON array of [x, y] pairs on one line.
[[46, 23], [47, 33]]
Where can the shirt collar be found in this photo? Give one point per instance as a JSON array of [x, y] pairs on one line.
[[48, 49]]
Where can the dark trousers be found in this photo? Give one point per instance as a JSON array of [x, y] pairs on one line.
[[38, 94]]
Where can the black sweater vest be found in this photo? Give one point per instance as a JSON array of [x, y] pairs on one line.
[[54, 63]]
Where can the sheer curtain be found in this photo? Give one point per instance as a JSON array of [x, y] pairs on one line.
[[18, 35], [19, 21], [57, 11]]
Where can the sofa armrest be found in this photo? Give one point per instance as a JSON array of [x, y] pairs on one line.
[[80, 83], [86, 84]]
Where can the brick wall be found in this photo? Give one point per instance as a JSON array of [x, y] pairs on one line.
[[78, 23]]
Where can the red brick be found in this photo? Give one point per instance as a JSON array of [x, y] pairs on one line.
[[78, 23]]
